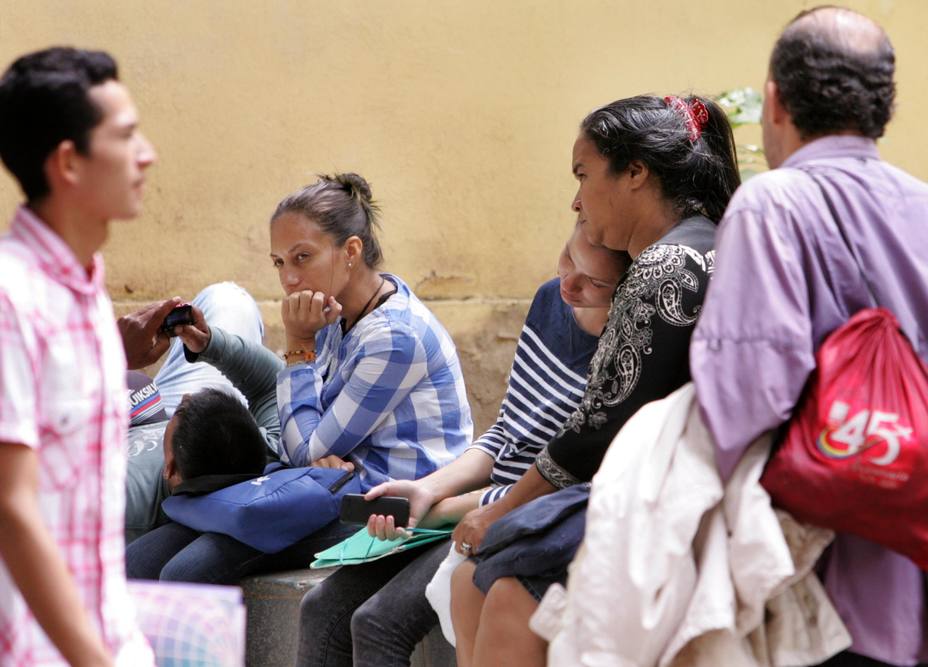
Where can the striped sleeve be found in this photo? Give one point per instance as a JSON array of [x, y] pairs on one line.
[[541, 394], [494, 493], [494, 440]]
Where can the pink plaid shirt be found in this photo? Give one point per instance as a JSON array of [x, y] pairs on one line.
[[63, 393]]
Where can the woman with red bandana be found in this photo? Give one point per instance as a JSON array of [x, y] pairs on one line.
[[655, 175]]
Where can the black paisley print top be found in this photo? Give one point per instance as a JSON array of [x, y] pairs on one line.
[[643, 353]]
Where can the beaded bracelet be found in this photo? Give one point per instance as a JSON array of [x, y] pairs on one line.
[[299, 356]]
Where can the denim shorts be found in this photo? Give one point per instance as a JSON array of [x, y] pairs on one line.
[[538, 585]]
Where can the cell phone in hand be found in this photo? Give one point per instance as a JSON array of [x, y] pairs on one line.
[[179, 316], [355, 509]]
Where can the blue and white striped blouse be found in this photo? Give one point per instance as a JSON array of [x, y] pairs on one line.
[[546, 384], [388, 395]]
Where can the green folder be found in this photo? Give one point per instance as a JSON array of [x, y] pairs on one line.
[[362, 548]]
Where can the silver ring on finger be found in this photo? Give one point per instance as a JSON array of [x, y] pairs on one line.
[[466, 547]]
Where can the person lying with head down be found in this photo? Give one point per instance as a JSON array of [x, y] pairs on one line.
[[211, 434], [380, 607], [152, 401], [372, 381]]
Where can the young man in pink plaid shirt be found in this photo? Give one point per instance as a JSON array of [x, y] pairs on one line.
[[69, 135]]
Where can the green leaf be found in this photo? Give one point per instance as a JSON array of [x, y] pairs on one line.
[[741, 105]]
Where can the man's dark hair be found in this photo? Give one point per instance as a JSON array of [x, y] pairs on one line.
[[44, 101], [833, 77], [216, 435]]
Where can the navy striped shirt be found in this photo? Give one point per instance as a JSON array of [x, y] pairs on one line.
[[546, 383]]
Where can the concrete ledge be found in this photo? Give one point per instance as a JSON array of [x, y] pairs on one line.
[[273, 625], [273, 604]]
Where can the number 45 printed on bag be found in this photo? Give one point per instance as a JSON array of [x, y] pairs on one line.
[[851, 435]]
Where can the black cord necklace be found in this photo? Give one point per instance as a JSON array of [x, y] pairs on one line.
[[369, 301]]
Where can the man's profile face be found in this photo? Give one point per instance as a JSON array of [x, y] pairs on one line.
[[112, 172]]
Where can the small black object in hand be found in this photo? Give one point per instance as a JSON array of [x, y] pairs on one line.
[[355, 509], [178, 317]]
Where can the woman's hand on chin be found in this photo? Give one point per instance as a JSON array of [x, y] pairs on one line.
[[304, 313]]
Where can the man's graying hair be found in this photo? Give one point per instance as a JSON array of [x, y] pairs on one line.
[[342, 206], [834, 70]]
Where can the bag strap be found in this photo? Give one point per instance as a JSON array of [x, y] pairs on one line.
[[847, 242]]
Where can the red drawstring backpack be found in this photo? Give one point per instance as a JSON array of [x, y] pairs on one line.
[[855, 455]]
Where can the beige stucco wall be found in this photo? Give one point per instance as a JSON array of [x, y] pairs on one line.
[[461, 114]]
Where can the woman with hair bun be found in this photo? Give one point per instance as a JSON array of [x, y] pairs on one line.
[[371, 380], [655, 175]]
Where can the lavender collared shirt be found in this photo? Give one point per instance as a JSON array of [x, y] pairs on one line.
[[784, 280]]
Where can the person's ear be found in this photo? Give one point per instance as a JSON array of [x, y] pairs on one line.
[[773, 107], [354, 250], [637, 172], [63, 165], [170, 469]]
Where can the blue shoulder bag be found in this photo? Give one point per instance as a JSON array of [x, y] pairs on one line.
[[270, 512]]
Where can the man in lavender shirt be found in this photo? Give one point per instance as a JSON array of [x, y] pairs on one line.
[[785, 279]]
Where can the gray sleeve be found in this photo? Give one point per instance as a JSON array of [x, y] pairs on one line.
[[253, 369]]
